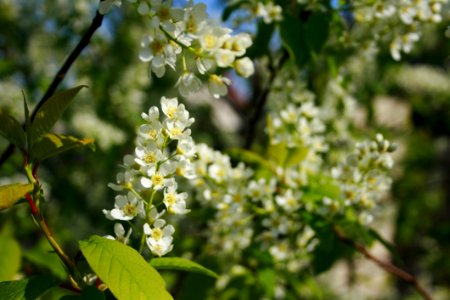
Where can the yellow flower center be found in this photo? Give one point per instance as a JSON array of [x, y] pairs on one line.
[[171, 199], [210, 41], [157, 47], [129, 209], [157, 179], [175, 131], [171, 112], [157, 234], [152, 133], [150, 158]]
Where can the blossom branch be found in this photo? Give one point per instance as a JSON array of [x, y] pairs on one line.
[[96, 23], [387, 266]]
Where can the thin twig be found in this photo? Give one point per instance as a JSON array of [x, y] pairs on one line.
[[389, 267], [96, 23]]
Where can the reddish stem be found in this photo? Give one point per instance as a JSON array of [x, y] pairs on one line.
[[389, 267], [34, 209]]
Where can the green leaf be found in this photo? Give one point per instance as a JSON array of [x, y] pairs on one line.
[[89, 293], [11, 193], [267, 280], [27, 289], [182, 264], [51, 111], [329, 249], [43, 255], [317, 29], [261, 40], [295, 156], [293, 36], [51, 145], [11, 130], [389, 246], [27, 121], [231, 8], [123, 269], [10, 258], [249, 157]]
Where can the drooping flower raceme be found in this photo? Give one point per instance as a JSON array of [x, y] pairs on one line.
[[149, 177], [187, 36], [362, 176]]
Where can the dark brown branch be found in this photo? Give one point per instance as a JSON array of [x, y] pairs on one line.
[[96, 23], [389, 267], [261, 102]]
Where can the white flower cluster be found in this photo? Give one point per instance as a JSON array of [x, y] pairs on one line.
[[362, 176], [251, 210], [223, 187], [269, 12], [181, 37], [405, 16], [296, 128], [148, 180]]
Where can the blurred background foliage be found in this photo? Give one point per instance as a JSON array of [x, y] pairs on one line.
[[409, 101]]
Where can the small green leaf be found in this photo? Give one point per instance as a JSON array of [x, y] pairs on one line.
[[10, 258], [11, 130], [11, 193], [292, 33], [51, 111], [278, 153], [249, 157], [123, 269], [295, 156], [27, 289], [182, 264], [51, 145]]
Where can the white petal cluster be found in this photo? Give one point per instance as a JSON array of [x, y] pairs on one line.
[[105, 6], [149, 177], [269, 12], [184, 38], [404, 18], [362, 176]]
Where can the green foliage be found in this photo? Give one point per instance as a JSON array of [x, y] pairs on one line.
[[11, 130], [89, 293], [261, 40], [11, 193], [292, 32], [27, 289], [10, 258], [51, 111], [329, 250], [50, 145], [304, 38], [123, 269], [267, 280], [181, 264], [43, 256], [317, 30], [232, 8]]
